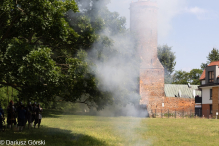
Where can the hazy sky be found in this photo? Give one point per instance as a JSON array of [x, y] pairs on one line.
[[191, 27]]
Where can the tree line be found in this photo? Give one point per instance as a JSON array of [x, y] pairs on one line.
[[167, 58]]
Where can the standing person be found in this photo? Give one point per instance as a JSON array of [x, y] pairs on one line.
[[29, 114], [21, 117], [1, 117], [38, 116], [18, 107], [34, 111], [11, 116]]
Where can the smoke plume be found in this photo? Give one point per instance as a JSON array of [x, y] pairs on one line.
[[116, 66]]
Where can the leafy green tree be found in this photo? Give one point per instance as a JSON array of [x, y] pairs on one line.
[[183, 77], [43, 44], [212, 56], [180, 77], [204, 65], [194, 76], [41, 54], [167, 59]]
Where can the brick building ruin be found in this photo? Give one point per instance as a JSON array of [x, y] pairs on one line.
[[143, 24]]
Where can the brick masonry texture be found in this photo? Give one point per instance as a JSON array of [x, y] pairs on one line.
[[171, 104], [215, 93], [206, 110], [143, 25]]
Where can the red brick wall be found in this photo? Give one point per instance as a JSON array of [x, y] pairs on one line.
[[179, 104], [206, 110], [172, 104], [151, 84], [215, 93]]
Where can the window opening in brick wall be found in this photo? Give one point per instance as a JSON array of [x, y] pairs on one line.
[[210, 76], [210, 108], [210, 94]]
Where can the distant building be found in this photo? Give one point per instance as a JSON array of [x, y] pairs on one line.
[[210, 89], [153, 92]]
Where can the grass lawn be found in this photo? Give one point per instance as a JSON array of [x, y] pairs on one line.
[[81, 130]]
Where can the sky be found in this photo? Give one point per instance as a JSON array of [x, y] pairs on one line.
[[190, 27]]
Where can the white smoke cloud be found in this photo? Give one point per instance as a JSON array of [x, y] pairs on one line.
[[115, 65], [118, 73]]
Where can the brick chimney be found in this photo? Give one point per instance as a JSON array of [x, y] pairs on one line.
[[143, 25]]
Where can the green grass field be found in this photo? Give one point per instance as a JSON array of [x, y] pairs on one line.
[[81, 130]]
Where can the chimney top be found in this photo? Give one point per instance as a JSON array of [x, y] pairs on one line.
[[152, 3]]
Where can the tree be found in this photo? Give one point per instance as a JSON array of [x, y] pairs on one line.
[[167, 59], [113, 47], [183, 77], [41, 54], [43, 48], [180, 77], [212, 56], [204, 65], [194, 76]]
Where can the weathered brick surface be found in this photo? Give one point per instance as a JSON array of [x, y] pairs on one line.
[[144, 26], [172, 104], [215, 93], [206, 110]]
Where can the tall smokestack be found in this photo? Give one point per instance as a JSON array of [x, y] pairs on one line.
[[143, 25]]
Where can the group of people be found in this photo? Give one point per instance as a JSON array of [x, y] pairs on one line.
[[19, 115]]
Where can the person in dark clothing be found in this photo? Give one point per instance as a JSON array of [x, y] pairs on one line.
[[11, 116], [33, 112], [21, 117], [29, 110], [1, 117], [38, 117], [18, 107]]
